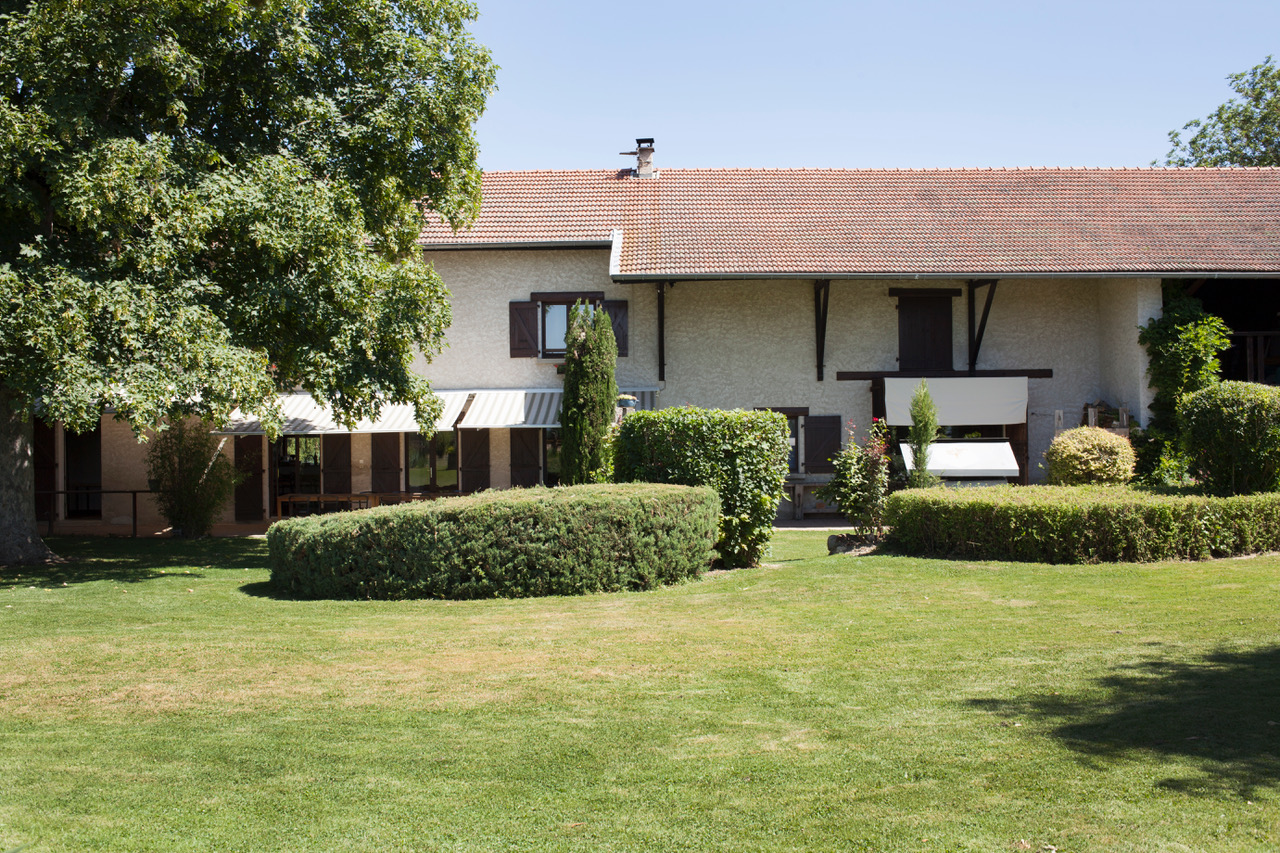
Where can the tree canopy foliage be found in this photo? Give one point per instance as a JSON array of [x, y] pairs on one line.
[[206, 201], [1244, 131]]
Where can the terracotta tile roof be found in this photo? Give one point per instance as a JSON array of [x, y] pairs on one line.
[[692, 222]]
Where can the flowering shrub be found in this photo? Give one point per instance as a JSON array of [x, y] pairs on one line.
[[861, 481]]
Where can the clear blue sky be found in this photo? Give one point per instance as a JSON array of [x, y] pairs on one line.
[[815, 83]]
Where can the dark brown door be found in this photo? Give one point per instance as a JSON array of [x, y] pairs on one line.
[[248, 453], [473, 445], [385, 451], [526, 457], [336, 454], [924, 333], [46, 467]]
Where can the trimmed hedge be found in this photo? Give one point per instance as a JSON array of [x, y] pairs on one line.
[[742, 455], [1080, 524], [515, 543], [1231, 433]]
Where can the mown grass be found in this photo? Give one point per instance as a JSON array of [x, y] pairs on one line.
[[156, 696]]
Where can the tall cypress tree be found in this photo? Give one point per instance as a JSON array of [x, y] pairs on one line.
[[590, 393]]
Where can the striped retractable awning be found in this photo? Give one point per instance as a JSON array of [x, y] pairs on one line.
[[304, 416], [531, 407]]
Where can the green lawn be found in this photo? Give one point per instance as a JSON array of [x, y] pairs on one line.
[[155, 696]]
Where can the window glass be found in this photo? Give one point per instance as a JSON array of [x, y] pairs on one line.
[[555, 323], [446, 459], [298, 465], [551, 457], [417, 455], [431, 464]]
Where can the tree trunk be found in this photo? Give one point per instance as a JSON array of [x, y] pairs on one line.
[[20, 540]]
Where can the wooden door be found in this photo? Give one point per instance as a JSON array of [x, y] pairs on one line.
[[385, 450], [526, 457], [335, 454], [248, 456], [473, 467]]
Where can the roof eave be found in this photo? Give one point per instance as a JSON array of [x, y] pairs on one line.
[[626, 278], [516, 244]]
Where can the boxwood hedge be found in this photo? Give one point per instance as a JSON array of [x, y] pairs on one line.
[[520, 542], [1080, 524], [742, 455]]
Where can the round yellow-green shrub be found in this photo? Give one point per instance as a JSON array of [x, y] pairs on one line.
[[1087, 456]]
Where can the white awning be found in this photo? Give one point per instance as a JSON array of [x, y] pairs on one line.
[[506, 409], [961, 400], [304, 416], [967, 459], [531, 407]]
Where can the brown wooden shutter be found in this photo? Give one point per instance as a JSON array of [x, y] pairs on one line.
[[526, 457], [821, 442], [473, 468], [617, 311], [924, 333], [248, 454], [524, 329], [335, 453], [385, 462]]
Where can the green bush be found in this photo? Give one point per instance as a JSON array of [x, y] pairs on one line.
[[742, 455], [191, 480], [1089, 456], [1079, 524], [590, 394], [1231, 435], [860, 483], [921, 436], [515, 543]]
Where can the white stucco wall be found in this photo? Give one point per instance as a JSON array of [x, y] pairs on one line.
[[1123, 306], [746, 344], [481, 286]]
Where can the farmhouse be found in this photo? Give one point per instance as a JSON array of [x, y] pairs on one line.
[[824, 294]]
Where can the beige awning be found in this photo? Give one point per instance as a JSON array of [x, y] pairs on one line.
[[304, 416], [531, 407], [961, 400]]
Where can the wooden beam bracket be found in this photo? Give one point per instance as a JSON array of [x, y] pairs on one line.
[[821, 304], [975, 336]]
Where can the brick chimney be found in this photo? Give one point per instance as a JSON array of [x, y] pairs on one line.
[[644, 158]]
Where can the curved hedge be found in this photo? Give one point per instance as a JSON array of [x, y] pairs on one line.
[[1080, 524], [515, 543]]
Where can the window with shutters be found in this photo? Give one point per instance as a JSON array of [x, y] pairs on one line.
[[814, 439], [538, 326]]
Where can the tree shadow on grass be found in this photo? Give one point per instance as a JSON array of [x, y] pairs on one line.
[[89, 559], [1221, 713]]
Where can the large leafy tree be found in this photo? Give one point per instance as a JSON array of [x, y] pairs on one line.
[[208, 201], [1244, 131]]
